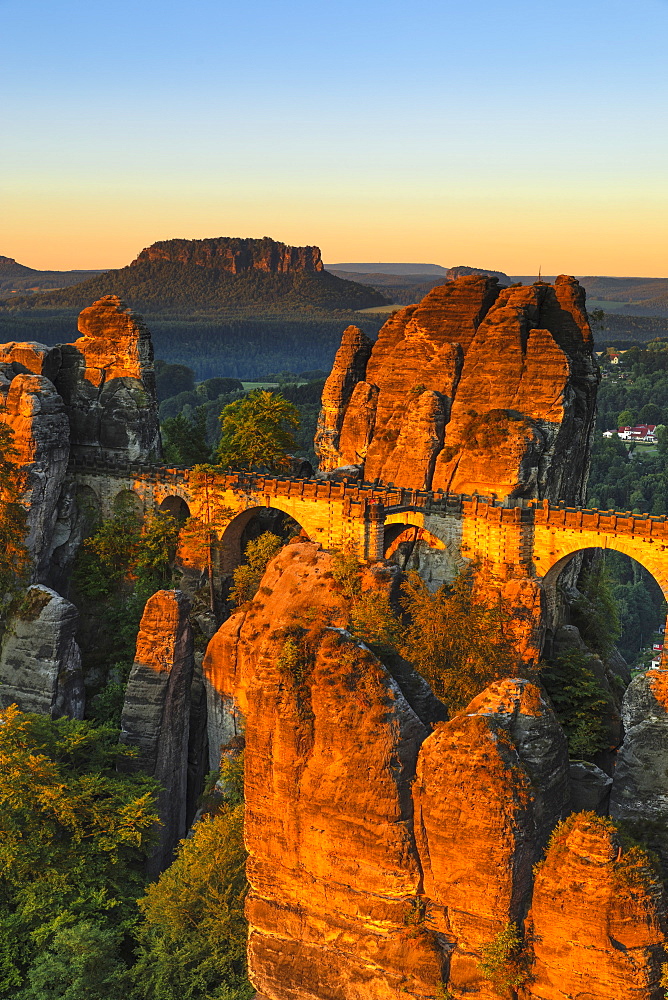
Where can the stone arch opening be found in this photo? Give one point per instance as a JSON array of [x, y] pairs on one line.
[[640, 590], [415, 548], [89, 509], [177, 507], [250, 524], [128, 502]]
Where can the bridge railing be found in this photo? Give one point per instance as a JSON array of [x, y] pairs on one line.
[[392, 498]]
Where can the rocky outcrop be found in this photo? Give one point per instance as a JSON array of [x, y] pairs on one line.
[[491, 785], [40, 662], [236, 255], [461, 270], [347, 371], [640, 783], [597, 917], [477, 388], [34, 411], [331, 744], [30, 357], [107, 382], [156, 712]]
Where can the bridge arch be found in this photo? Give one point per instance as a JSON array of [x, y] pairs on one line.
[[432, 553], [651, 557], [642, 619], [249, 524], [176, 506], [129, 501]]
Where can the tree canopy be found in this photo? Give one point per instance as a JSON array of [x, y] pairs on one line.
[[257, 432]]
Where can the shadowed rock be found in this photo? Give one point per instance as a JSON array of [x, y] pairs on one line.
[[40, 662], [156, 712]]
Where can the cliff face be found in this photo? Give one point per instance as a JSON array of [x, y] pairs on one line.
[[597, 918], [384, 859], [107, 382], [494, 779], [331, 745], [40, 661], [156, 711], [474, 389], [30, 405], [236, 255]]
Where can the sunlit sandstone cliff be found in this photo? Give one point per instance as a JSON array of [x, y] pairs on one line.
[[387, 848], [476, 388]]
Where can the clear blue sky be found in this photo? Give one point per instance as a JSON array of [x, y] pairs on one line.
[[499, 135]]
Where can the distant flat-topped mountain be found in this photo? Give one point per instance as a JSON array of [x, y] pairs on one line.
[[236, 255], [218, 275], [17, 279]]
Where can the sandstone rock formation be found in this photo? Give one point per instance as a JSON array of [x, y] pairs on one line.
[[93, 398], [597, 919], [107, 382], [474, 389], [236, 255], [33, 409], [156, 711], [491, 785], [640, 783], [347, 371], [383, 860], [461, 270], [331, 744], [40, 662]]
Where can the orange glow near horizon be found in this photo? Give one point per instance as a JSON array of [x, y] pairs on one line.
[[518, 235]]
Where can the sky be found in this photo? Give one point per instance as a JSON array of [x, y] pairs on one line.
[[510, 136]]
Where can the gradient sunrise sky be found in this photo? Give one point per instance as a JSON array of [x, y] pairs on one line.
[[505, 135]]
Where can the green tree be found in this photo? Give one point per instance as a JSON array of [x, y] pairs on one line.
[[74, 835], [595, 612], [504, 962], [247, 577], [192, 940], [81, 962], [627, 418], [580, 703], [184, 440], [257, 432], [650, 414]]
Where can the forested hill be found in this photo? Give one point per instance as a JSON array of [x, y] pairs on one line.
[[166, 286]]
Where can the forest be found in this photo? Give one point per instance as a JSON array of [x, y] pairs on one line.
[[237, 346], [165, 286]]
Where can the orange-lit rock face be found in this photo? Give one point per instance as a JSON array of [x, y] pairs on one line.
[[474, 389], [597, 918], [156, 711], [490, 786], [236, 255], [107, 382], [34, 411], [28, 356], [347, 371], [113, 342], [331, 744]]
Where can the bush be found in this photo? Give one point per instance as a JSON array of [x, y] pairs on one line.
[[579, 702], [504, 962], [246, 578], [192, 941]]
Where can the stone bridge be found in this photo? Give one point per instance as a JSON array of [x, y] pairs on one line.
[[514, 540]]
